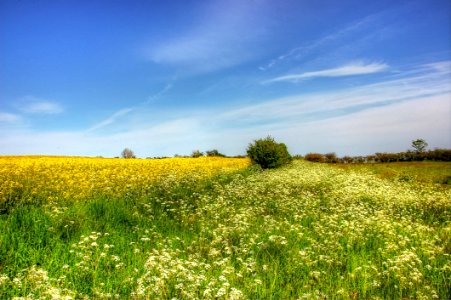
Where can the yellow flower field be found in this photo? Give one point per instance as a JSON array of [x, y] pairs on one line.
[[76, 178]]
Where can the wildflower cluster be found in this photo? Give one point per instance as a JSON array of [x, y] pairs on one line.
[[34, 283]]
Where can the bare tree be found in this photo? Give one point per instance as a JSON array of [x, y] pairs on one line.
[[127, 153]]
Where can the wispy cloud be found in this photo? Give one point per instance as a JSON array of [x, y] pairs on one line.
[[384, 116], [111, 119], [159, 94], [347, 70], [388, 128], [312, 46], [221, 39], [9, 118], [34, 105], [181, 135], [423, 81], [441, 66], [118, 115], [349, 39]]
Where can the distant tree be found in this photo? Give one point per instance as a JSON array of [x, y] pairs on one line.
[[196, 153], [127, 153], [268, 153], [419, 145], [214, 152]]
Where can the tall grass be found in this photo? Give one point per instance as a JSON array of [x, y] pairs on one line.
[[304, 231]]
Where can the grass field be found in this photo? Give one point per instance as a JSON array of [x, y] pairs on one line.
[[222, 230]]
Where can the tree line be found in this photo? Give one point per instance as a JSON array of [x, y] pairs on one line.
[[419, 153], [269, 154]]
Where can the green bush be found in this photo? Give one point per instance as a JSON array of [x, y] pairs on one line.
[[268, 154]]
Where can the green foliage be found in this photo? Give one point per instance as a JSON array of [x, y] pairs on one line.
[[408, 156], [268, 154]]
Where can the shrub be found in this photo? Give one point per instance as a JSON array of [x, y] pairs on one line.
[[315, 157], [386, 157], [268, 154], [370, 158], [347, 159], [439, 154], [407, 156], [359, 159], [197, 153]]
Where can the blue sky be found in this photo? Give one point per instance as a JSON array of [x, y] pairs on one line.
[[169, 77]]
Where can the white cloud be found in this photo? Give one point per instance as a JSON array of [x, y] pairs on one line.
[[34, 105], [221, 38], [345, 41], [441, 66], [384, 116], [377, 129], [425, 81], [158, 95], [380, 129], [111, 119], [181, 135], [347, 70], [9, 118]]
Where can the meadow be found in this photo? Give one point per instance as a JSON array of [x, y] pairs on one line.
[[218, 228], [420, 171]]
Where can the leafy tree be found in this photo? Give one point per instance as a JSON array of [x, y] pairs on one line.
[[419, 145], [127, 153], [268, 154]]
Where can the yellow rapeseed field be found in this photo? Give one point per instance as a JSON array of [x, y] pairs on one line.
[[77, 178]]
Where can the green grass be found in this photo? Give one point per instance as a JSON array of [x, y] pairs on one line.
[[422, 172], [303, 231]]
